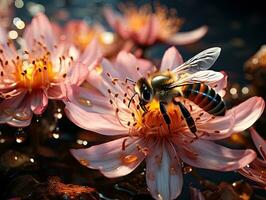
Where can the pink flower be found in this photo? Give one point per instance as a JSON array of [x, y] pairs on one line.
[[256, 170], [146, 27], [39, 72], [79, 33], [104, 109]]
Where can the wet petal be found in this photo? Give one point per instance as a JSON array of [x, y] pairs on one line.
[[114, 159], [208, 155], [101, 123], [39, 101], [171, 59], [89, 100], [182, 38], [163, 172], [259, 142]]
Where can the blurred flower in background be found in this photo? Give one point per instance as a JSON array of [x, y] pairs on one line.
[[79, 33], [104, 109], [6, 12], [146, 27]]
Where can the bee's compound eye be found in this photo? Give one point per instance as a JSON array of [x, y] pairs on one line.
[[146, 95]]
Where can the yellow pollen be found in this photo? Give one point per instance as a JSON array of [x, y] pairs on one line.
[[129, 159], [152, 122], [34, 75]]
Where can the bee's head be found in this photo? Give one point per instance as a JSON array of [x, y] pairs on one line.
[[144, 90]]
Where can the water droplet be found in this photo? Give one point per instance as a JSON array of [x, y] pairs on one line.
[[187, 169], [56, 133], [85, 102], [22, 116], [160, 197], [20, 135], [129, 159]]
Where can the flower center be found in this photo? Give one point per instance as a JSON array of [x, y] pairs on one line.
[[35, 74], [153, 122]]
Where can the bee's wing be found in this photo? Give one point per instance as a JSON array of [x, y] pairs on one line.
[[206, 76], [202, 61]]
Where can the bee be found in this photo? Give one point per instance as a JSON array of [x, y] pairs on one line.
[[188, 81]]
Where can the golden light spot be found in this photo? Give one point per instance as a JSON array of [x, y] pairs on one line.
[[245, 90], [84, 162], [106, 38], [85, 102], [187, 170], [19, 3], [13, 34], [233, 91], [129, 159], [56, 135], [99, 69]]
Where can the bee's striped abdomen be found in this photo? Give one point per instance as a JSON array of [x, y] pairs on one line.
[[205, 97]]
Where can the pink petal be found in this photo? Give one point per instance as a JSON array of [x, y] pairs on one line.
[[101, 123], [127, 65], [97, 102], [247, 113], [3, 35], [116, 22], [114, 159], [208, 155], [56, 92], [148, 34], [171, 59], [92, 54], [17, 111], [220, 85], [77, 74], [163, 172], [259, 142], [236, 119], [110, 16], [39, 102], [217, 128], [43, 33], [183, 38]]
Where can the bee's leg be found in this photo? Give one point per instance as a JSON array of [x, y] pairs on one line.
[[187, 116], [142, 105], [165, 115]]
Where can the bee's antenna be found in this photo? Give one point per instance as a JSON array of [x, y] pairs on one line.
[[131, 99], [129, 79]]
